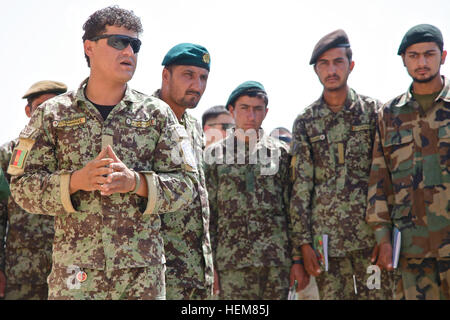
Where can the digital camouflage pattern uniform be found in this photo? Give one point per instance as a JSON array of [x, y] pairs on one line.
[[107, 239], [331, 156], [4, 186], [249, 217], [409, 188], [189, 262], [26, 253]]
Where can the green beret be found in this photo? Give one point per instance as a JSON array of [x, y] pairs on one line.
[[188, 54], [245, 88], [335, 39], [421, 33], [45, 86]]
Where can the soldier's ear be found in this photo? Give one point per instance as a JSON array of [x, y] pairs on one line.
[[265, 114], [352, 65], [444, 55], [403, 59], [28, 110], [315, 69], [88, 47], [166, 74], [231, 109]]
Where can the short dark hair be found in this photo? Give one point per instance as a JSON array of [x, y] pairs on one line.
[[169, 68], [349, 53], [110, 16], [212, 113], [252, 93]]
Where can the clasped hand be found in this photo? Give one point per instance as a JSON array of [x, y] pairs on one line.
[[106, 173]]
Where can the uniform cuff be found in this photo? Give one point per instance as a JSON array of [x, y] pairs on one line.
[[296, 252], [65, 192], [383, 234], [152, 192]]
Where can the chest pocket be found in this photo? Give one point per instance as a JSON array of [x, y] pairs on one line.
[[232, 189], [72, 135], [399, 146], [133, 132], [135, 139], [358, 151], [322, 158]]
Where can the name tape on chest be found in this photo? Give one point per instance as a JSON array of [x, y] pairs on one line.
[[140, 123], [320, 137], [69, 122], [361, 127]]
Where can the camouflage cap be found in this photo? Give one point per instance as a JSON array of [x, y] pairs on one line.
[[45, 86], [188, 54], [244, 88], [335, 39], [421, 33]]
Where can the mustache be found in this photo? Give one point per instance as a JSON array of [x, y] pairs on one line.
[[193, 92], [332, 76], [422, 69]]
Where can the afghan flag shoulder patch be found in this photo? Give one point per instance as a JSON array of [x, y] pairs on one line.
[[19, 156]]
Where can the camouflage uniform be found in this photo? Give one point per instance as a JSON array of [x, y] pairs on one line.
[[26, 255], [409, 188], [4, 186], [189, 273], [107, 234], [249, 217], [330, 170]]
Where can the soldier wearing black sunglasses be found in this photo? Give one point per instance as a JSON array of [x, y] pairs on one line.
[[94, 150], [120, 42]]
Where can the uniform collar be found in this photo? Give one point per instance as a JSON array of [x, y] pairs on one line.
[[157, 94], [184, 116], [350, 103], [129, 96], [443, 95]]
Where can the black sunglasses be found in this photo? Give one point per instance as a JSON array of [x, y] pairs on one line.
[[285, 139], [120, 42]]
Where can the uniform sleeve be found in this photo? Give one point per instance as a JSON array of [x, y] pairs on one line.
[[5, 156], [171, 182], [3, 223], [36, 184], [380, 193], [302, 170], [285, 160], [212, 185], [4, 186]]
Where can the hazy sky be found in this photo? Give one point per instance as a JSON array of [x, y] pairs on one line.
[[267, 41]]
